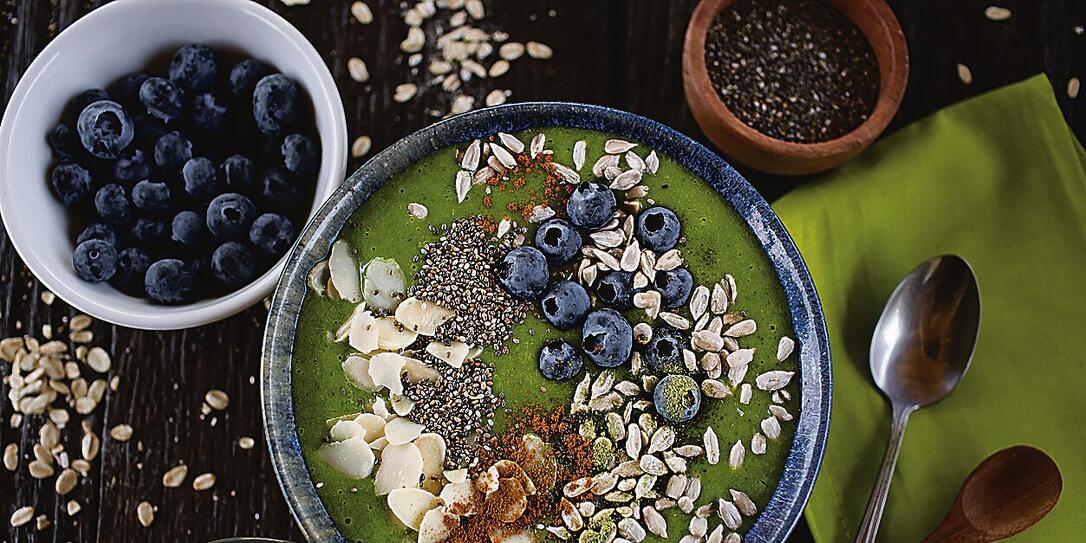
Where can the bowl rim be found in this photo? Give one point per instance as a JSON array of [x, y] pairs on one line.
[[778, 517], [891, 88], [324, 96]]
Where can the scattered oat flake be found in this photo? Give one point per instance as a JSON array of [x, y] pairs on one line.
[[361, 146], [73, 507], [47, 297], [361, 12], [203, 481], [176, 476], [145, 512], [964, 74], [121, 432], [246, 442], [22, 515], [356, 67], [539, 50], [217, 399], [405, 92], [1072, 87], [997, 13], [496, 97]]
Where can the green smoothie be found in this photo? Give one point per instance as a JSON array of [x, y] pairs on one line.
[[717, 242]]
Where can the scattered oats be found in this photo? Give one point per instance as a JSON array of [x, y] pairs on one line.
[[405, 92], [98, 360], [736, 455], [121, 432], [1072, 88], [964, 74], [539, 50], [217, 399], [73, 507], [462, 104], [499, 68], [361, 146], [80, 322], [246, 442], [414, 41], [496, 97], [40, 470], [996, 13], [82, 336], [145, 513], [511, 51], [475, 9], [745, 392], [757, 444], [47, 297], [22, 516], [42, 522], [203, 481], [65, 482], [712, 446], [176, 476], [356, 67], [361, 12], [11, 456]]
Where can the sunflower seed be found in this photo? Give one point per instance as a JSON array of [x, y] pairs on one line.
[[771, 427], [579, 149], [729, 513], [633, 442], [652, 162], [612, 172], [566, 173], [511, 51], [472, 154], [626, 180], [996, 13], [662, 439], [717, 535], [714, 389], [361, 146], [203, 481], [537, 144], [603, 163], [511, 142], [669, 260], [688, 451], [675, 320], [745, 393], [686, 505], [608, 239], [145, 513], [504, 157], [22, 516], [712, 446], [538, 50], [965, 74], [736, 455], [757, 444], [785, 348], [698, 527], [617, 146], [648, 300], [780, 413], [631, 530], [603, 483], [571, 517], [743, 503], [773, 380], [642, 333], [742, 328], [654, 521], [356, 68], [676, 486], [710, 361], [707, 340], [463, 184]]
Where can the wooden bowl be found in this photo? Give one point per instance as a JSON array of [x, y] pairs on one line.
[[749, 146]]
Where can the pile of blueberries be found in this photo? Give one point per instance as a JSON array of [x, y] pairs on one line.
[[606, 335], [186, 186]]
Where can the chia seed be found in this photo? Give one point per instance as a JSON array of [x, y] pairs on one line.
[[795, 70], [458, 273]]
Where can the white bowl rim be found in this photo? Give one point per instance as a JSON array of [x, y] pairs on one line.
[[162, 317]]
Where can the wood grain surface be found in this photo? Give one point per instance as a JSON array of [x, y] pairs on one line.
[[624, 54]]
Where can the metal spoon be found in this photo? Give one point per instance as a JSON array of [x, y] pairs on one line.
[[921, 348]]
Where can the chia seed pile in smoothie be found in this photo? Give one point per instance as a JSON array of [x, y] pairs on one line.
[[554, 335], [796, 70]]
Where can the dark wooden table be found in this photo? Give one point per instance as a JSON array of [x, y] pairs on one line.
[[624, 54]]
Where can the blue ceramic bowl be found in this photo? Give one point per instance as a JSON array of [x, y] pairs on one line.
[[777, 518]]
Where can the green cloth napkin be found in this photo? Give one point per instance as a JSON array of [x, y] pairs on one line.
[[1000, 180]]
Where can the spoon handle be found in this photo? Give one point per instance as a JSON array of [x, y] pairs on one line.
[[869, 527]]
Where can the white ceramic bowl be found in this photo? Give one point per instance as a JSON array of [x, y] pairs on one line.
[[116, 39]]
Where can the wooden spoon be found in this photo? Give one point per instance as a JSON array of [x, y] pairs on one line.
[[1007, 493]]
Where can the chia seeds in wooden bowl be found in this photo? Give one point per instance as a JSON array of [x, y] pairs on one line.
[[795, 70]]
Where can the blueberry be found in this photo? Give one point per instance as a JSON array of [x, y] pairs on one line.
[[230, 215], [71, 182], [132, 168], [189, 228], [300, 155], [677, 398], [232, 264], [95, 260], [245, 74], [606, 338], [674, 287], [559, 361], [148, 231], [272, 233], [664, 352], [128, 88], [162, 98], [86, 98], [148, 129], [558, 240], [105, 129], [151, 197], [658, 228], [132, 264], [280, 189], [64, 142], [591, 205], [523, 272], [275, 104], [565, 304], [616, 289], [236, 172], [112, 204], [169, 281], [97, 230], [201, 178], [208, 112], [193, 67], [172, 150]]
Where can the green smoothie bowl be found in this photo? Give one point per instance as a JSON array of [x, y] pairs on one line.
[[546, 322]]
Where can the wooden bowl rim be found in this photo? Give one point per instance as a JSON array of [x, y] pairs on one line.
[[891, 89]]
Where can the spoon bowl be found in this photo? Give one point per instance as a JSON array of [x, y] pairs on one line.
[[1007, 493]]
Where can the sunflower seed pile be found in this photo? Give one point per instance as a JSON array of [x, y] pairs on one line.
[[49, 381], [447, 48], [482, 161], [458, 273]]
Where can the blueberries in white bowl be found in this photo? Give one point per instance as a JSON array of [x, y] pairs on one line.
[[186, 184]]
